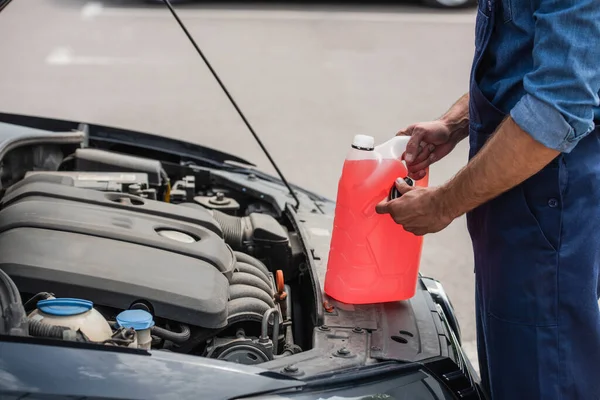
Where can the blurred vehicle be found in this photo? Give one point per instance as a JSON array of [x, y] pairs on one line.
[[450, 4], [141, 267], [444, 4]]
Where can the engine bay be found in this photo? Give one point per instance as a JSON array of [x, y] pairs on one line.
[[119, 249], [116, 244]]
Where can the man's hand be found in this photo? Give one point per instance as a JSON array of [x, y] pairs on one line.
[[418, 210], [429, 142], [509, 157], [432, 141]]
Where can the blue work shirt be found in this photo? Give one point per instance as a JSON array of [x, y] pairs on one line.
[[542, 66]]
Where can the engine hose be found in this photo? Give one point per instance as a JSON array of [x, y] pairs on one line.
[[251, 269], [13, 319], [40, 329], [175, 337], [156, 340], [245, 258], [247, 291], [264, 334], [31, 304], [289, 332], [242, 278], [231, 227]]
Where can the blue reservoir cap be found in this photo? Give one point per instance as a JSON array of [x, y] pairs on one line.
[[136, 319], [64, 306]]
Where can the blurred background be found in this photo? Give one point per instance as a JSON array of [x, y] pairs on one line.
[[309, 76]]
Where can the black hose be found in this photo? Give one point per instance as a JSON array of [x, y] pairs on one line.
[[289, 331], [13, 319], [288, 303], [175, 337], [234, 231], [231, 227], [40, 329], [31, 304]]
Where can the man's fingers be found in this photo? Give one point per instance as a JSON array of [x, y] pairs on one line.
[[402, 186], [412, 147], [434, 156], [382, 207], [417, 175], [420, 166], [424, 152]]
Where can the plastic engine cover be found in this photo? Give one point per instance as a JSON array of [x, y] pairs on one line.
[[116, 256]]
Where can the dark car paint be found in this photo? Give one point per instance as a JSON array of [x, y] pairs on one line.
[[346, 337], [45, 367], [139, 139]]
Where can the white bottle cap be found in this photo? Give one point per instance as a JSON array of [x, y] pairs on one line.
[[364, 142]]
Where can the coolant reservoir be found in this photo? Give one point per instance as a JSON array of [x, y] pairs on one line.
[[142, 322], [76, 314], [371, 259]]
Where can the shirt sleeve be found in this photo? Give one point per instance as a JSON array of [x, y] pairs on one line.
[[562, 88]]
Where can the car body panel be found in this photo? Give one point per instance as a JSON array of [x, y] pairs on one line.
[[49, 368]]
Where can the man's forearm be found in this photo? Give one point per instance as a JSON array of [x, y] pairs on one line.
[[457, 118], [510, 157]]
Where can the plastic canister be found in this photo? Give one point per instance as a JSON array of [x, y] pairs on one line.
[[76, 314], [371, 259], [142, 322]]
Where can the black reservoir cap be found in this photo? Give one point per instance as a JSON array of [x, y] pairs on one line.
[[394, 193]]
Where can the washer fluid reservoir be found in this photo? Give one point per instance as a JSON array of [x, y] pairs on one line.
[[142, 322], [76, 314]]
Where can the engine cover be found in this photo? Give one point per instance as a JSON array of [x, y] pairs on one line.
[[116, 249]]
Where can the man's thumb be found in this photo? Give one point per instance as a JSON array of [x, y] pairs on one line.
[[403, 185], [382, 207]]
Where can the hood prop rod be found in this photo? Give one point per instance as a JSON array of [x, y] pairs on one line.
[[239, 111]]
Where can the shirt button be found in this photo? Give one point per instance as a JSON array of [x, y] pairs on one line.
[[553, 203]]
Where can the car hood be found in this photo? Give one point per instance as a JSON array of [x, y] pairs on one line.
[[84, 371], [121, 136]]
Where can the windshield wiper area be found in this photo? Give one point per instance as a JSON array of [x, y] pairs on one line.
[[355, 375], [390, 380]]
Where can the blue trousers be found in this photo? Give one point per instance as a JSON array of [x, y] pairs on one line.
[[537, 258]]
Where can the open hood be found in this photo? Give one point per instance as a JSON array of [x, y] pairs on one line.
[[124, 137]]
